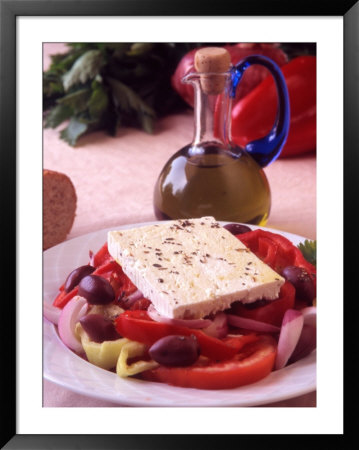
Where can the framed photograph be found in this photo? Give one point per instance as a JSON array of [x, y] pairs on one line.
[[27, 31]]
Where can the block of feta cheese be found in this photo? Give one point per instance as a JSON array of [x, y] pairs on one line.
[[192, 268]]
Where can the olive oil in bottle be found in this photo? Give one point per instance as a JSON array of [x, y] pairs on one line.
[[211, 181], [211, 176]]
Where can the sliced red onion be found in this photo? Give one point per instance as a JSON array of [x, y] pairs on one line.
[[310, 315], [190, 323], [308, 337], [51, 313], [306, 344], [250, 324], [290, 332], [70, 315], [218, 327]]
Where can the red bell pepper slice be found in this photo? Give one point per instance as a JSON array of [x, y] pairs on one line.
[[268, 250], [138, 326], [121, 283], [272, 312], [63, 298], [102, 256], [276, 251]]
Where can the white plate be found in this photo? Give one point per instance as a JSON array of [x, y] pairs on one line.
[[67, 369]]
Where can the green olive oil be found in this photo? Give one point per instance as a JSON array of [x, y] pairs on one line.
[[211, 181]]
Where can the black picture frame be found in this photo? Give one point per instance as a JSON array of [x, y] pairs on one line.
[[9, 11]]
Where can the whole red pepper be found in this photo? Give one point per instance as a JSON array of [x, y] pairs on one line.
[[253, 116]]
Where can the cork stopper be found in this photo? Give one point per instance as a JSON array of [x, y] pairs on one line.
[[213, 60]]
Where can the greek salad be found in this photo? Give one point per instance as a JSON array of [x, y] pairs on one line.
[[102, 315]]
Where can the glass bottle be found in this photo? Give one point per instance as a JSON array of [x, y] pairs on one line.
[[211, 176]]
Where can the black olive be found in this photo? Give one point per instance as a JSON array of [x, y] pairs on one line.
[[175, 350], [96, 290], [301, 280], [76, 276], [98, 328], [236, 228]]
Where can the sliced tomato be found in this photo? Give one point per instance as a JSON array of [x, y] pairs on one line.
[[138, 326], [241, 340], [254, 362], [271, 312]]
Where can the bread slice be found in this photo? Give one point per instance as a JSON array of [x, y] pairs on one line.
[[59, 207]]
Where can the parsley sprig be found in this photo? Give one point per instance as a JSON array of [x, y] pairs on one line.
[[309, 251]]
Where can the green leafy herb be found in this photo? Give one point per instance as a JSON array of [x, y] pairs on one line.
[[132, 104], [77, 100], [85, 68], [57, 115], [309, 251], [101, 86], [98, 101], [73, 131]]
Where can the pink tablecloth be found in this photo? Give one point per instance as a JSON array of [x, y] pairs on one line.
[[114, 180]]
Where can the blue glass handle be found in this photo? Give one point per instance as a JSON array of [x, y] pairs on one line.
[[267, 149]]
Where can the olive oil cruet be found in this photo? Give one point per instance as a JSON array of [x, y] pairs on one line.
[[211, 176]]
